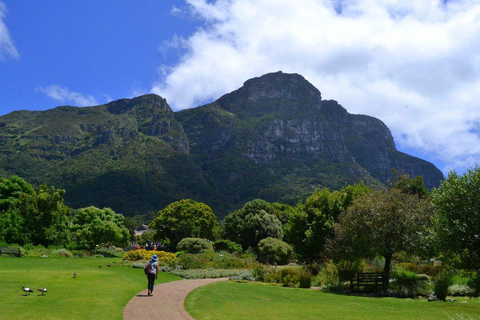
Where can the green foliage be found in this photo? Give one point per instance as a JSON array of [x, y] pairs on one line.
[[328, 277], [408, 284], [217, 260], [211, 273], [227, 245], [183, 219], [194, 245], [305, 280], [62, 253], [428, 269], [348, 269], [275, 250], [92, 227], [255, 221], [441, 283], [474, 285], [258, 270], [383, 223], [311, 225], [32, 216], [457, 217]]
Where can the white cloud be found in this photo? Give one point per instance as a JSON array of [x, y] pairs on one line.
[[414, 64], [7, 48], [63, 94]]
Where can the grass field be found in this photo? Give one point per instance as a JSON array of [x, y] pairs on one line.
[[95, 293], [235, 301]]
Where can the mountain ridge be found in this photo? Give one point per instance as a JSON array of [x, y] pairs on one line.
[[273, 138]]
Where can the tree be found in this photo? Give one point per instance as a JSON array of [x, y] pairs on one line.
[[383, 223], [457, 217], [253, 222], [32, 216], [194, 245], [93, 226], [275, 250], [10, 191], [185, 219], [311, 224]]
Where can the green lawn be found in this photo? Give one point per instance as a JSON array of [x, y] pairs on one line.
[[230, 300], [96, 293]]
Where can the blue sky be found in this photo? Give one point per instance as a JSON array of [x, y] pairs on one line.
[[414, 64]]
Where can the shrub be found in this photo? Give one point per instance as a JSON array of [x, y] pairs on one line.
[[275, 250], [227, 245], [143, 254], [194, 261], [459, 290], [62, 253], [194, 245], [305, 280], [441, 284], [408, 284], [219, 260], [474, 284], [226, 260], [328, 277], [348, 269], [211, 273], [258, 271]]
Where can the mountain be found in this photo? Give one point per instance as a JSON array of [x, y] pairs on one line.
[[273, 138]]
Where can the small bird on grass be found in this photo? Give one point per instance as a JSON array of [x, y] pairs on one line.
[[99, 266], [109, 265], [74, 274], [42, 290], [27, 290]]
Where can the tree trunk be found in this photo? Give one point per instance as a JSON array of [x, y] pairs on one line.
[[386, 270]]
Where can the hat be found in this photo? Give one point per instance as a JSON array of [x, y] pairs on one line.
[[154, 257]]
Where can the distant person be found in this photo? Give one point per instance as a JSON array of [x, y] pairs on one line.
[[151, 270]]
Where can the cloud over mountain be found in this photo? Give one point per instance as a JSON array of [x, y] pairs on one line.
[[413, 64]]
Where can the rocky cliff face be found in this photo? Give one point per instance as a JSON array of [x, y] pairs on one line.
[[280, 121], [273, 138]]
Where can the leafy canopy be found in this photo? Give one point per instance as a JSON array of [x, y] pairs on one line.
[[93, 226], [255, 221], [185, 219], [382, 223], [457, 217], [32, 216]]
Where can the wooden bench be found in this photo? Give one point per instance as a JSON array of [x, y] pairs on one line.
[[367, 280], [13, 251]]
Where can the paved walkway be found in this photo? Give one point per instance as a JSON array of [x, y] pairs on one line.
[[166, 302]]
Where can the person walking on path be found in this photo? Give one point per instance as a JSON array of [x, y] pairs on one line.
[[151, 270]]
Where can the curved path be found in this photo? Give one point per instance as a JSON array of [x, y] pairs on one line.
[[166, 302]]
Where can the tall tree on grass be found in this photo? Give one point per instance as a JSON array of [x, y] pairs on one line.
[[255, 221], [32, 216], [185, 219], [383, 223], [92, 226], [457, 217], [311, 225]]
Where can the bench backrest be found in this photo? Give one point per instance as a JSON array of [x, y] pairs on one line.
[[370, 275]]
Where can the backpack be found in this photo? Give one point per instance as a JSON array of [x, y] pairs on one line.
[[146, 269]]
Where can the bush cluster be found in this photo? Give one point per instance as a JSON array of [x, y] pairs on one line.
[[289, 277], [194, 245], [227, 245], [210, 259], [143, 254], [408, 284], [275, 250], [427, 269]]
